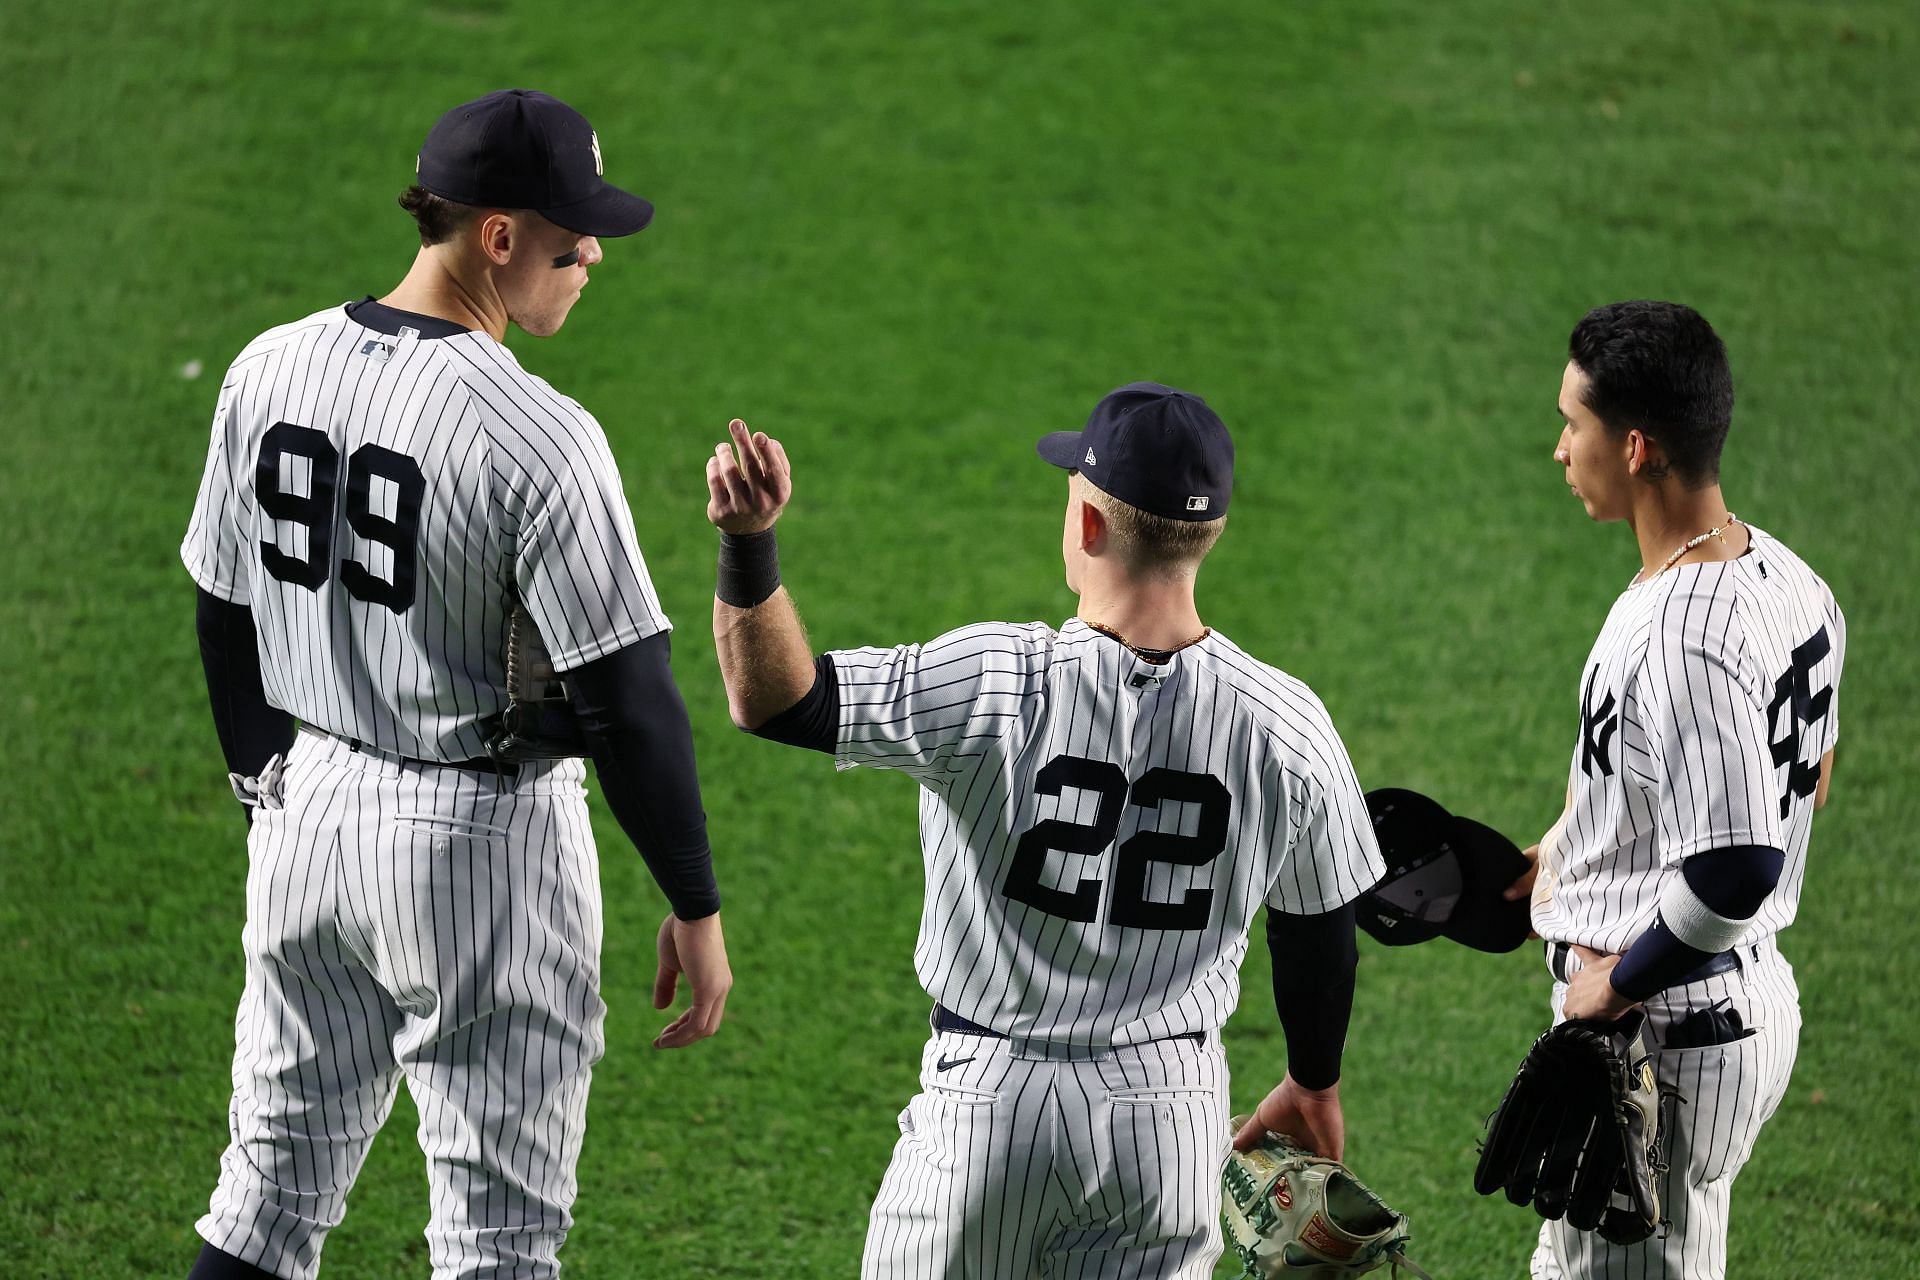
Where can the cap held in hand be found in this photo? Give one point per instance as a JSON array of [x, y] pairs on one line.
[[1446, 877]]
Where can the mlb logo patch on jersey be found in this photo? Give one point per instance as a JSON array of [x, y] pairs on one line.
[[377, 349]]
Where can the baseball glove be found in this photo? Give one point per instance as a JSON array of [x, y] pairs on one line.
[[538, 722], [1578, 1134], [1288, 1212]]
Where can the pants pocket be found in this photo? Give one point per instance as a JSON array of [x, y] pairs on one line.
[[1720, 1089], [439, 826], [1167, 1144], [961, 1095], [1162, 1093]]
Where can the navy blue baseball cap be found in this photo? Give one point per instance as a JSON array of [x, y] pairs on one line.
[[1153, 447], [1446, 877], [520, 149]]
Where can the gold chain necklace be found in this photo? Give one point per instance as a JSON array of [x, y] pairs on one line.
[[1718, 531], [1155, 656]]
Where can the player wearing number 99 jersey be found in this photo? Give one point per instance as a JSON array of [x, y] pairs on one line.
[[1708, 712], [384, 488], [1104, 807]]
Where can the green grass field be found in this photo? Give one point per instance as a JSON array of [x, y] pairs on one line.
[[907, 239]]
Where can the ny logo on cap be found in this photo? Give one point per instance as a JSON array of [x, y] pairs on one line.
[[1089, 457], [598, 169], [1199, 502]]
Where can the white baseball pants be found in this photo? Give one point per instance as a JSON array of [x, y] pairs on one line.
[[435, 924], [1025, 1160], [1728, 1091]]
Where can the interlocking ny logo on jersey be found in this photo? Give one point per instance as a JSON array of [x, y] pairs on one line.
[[1591, 718]]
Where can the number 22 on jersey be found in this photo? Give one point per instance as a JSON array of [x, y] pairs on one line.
[[1130, 906]]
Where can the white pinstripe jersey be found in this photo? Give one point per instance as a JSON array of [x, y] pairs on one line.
[[1706, 705], [1098, 831], [379, 498]]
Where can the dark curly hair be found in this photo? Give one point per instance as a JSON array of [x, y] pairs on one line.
[[1658, 367], [438, 218]]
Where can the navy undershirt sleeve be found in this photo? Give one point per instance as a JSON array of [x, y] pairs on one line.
[[1736, 880], [1732, 882], [251, 730], [1314, 961], [637, 733], [814, 721]]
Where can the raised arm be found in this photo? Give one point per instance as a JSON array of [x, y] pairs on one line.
[[765, 659]]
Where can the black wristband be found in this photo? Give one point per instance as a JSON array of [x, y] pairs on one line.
[[749, 568]]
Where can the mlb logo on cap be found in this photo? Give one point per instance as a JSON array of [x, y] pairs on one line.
[[1153, 447]]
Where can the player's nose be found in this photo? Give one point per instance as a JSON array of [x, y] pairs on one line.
[[590, 251], [1561, 453]]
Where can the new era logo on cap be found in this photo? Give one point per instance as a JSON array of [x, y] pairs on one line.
[[1090, 461]]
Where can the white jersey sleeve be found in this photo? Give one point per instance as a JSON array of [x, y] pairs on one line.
[[1837, 623], [214, 550], [1703, 711], [577, 560], [926, 708], [1333, 856]]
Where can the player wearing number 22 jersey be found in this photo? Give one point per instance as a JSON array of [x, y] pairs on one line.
[[1709, 708], [1104, 807]]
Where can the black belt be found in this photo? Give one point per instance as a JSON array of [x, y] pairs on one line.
[[945, 1019], [481, 765], [1712, 966]]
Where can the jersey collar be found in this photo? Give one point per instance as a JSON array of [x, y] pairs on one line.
[[390, 320]]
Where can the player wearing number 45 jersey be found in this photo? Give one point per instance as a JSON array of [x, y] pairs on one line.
[[1103, 809], [385, 487], [1709, 708]]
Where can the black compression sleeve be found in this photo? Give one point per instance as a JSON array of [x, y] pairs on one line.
[[814, 721], [636, 729], [1736, 880], [1314, 959], [251, 729], [1656, 960]]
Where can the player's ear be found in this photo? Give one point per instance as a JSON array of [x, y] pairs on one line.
[[1093, 526], [1645, 458], [495, 237]]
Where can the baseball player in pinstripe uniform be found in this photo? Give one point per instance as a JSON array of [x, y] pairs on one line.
[[384, 487], [1103, 809], [1709, 708]]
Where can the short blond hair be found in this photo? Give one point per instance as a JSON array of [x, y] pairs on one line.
[[1151, 546]]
